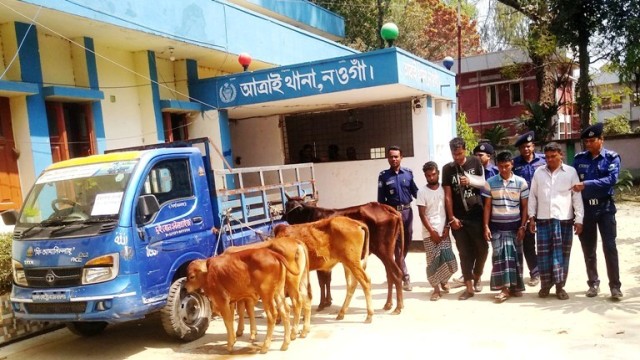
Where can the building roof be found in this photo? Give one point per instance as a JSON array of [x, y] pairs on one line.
[[492, 60], [604, 78]]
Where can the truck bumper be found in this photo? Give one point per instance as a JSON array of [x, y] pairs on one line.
[[114, 301]]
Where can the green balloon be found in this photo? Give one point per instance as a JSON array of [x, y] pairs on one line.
[[389, 31]]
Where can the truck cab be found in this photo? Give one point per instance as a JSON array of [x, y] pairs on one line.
[[107, 238]]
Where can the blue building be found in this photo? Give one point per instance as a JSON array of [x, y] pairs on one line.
[[83, 76]]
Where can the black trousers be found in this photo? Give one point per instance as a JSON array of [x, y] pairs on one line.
[[606, 223], [472, 248], [529, 252]]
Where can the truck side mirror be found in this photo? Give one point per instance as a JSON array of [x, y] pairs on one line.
[[147, 206], [9, 217]]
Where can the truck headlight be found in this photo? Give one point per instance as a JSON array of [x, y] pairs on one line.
[[100, 269], [18, 273]]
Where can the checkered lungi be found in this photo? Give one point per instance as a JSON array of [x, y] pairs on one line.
[[506, 270], [441, 261], [554, 247]]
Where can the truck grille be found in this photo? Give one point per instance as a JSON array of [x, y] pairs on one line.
[[56, 308], [54, 277]]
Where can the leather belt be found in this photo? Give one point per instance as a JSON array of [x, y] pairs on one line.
[[403, 207], [596, 201]]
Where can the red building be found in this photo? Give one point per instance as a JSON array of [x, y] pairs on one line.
[[495, 86]]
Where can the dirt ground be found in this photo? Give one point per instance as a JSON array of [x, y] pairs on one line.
[[521, 328]]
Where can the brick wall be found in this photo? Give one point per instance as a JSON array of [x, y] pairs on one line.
[[12, 328]]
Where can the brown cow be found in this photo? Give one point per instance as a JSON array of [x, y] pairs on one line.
[[296, 286], [336, 240], [248, 274], [385, 228]]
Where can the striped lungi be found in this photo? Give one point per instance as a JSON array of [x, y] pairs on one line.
[[441, 261], [506, 270], [555, 238]]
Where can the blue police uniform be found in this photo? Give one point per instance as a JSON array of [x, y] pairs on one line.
[[599, 174], [525, 170], [398, 190], [489, 170]]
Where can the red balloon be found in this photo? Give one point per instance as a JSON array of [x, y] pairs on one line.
[[244, 59]]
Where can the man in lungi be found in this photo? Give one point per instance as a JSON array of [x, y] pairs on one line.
[[441, 261], [504, 222], [554, 210]]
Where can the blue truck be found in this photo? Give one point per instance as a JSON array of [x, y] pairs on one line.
[[107, 238]]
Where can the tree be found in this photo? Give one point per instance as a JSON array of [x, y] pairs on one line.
[[428, 28], [439, 35], [574, 23], [496, 134], [622, 31], [466, 132], [536, 118], [617, 125], [505, 28]]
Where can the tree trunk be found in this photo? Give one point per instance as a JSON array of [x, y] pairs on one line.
[[584, 94]]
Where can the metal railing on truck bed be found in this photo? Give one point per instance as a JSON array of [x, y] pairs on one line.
[[248, 197]]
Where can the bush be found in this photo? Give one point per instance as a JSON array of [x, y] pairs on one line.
[[617, 125], [5, 263]]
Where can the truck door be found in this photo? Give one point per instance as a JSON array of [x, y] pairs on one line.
[[178, 227]]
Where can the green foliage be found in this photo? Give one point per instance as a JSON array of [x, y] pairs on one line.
[[624, 183], [539, 119], [466, 132], [617, 125], [6, 277], [496, 135]]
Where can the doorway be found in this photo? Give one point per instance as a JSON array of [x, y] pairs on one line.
[[10, 193], [70, 130]]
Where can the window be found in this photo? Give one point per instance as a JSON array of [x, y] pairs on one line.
[[378, 153], [492, 96], [515, 93], [362, 131], [169, 180], [175, 126]]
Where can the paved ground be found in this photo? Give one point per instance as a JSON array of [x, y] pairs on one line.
[[523, 328]]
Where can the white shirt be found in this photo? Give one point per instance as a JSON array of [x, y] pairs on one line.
[[550, 196], [433, 200]]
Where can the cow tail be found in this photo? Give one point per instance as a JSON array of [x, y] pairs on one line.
[[285, 263], [365, 228], [307, 282], [400, 225]]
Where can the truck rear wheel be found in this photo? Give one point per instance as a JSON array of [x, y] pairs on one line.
[[92, 328], [186, 316]]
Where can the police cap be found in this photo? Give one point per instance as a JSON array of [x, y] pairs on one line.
[[525, 138], [594, 130], [483, 147]]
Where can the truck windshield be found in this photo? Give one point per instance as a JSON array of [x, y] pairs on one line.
[[83, 193]]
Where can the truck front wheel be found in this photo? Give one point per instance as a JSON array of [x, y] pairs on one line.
[[186, 316], [86, 328]]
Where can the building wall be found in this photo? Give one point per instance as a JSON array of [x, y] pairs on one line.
[[473, 99], [347, 183], [121, 106]]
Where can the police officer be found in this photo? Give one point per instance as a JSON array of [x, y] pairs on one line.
[[598, 169], [484, 151], [524, 165], [397, 189]]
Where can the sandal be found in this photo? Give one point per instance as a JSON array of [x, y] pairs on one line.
[[544, 292], [562, 295], [502, 297], [465, 295], [517, 294], [445, 288], [435, 296]]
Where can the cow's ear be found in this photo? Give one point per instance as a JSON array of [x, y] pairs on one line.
[[287, 196]]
